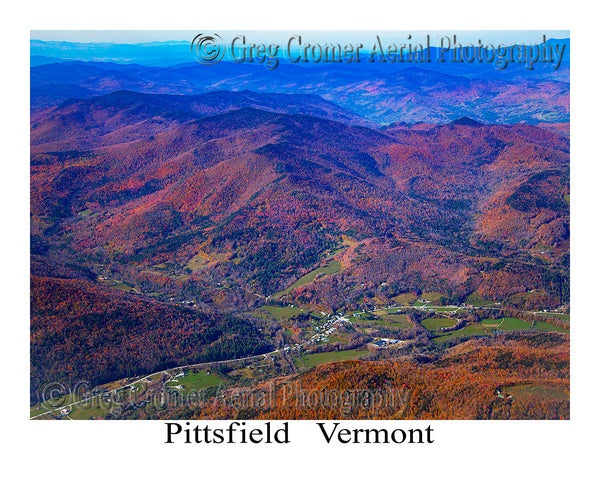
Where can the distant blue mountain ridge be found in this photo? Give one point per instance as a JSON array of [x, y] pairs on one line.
[[378, 92], [173, 53]]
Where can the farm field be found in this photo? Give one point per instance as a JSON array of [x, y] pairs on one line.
[[509, 323], [389, 310], [337, 339], [473, 329], [57, 402], [506, 324], [432, 324], [405, 298], [282, 313], [565, 317], [333, 266], [432, 296], [549, 328], [314, 359], [393, 322], [488, 325], [95, 407], [196, 381], [98, 407], [476, 300]]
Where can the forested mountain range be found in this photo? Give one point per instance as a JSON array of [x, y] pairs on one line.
[[159, 180], [157, 188]]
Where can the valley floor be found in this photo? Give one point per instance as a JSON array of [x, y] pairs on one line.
[[327, 339]]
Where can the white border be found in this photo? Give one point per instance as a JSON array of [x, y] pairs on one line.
[[462, 449]]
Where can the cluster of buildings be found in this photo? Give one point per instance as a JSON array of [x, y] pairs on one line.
[[385, 343]]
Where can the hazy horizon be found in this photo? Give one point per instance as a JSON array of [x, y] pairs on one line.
[[133, 37]]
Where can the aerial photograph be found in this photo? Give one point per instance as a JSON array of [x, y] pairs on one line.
[[299, 225]]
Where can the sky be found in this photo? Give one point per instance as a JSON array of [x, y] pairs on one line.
[[278, 36]]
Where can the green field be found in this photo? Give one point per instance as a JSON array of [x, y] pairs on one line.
[[397, 321], [333, 266], [196, 381], [241, 373], [506, 324], [487, 325], [549, 328], [477, 301], [432, 324], [51, 405], [96, 408], [282, 313], [36, 410], [314, 359], [474, 299], [432, 296], [381, 319], [509, 323], [391, 310], [474, 329], [337, 339], [405, 298], [565, 317], [126, 287]]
